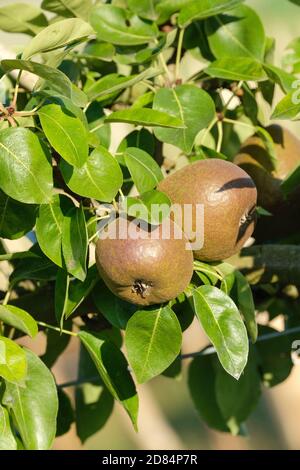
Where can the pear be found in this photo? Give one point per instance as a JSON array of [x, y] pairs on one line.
[[144, 264], [228, 196], [255, 159]]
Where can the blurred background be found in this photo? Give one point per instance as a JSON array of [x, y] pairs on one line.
[[167, 417]]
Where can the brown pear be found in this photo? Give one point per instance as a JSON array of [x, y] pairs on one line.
[[255, 159], [228, 196], [144, 265]]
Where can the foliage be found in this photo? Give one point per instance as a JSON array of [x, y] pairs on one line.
[[96, 64]]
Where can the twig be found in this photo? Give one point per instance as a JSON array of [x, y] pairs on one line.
[[265, 337], [204, 352]]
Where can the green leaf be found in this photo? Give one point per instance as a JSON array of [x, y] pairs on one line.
[[144, 8], [33, 267], [115, 310], [78, 291], [144, 100], [288, 107], [93, 402], [68, 8], [274, 357], [144, 170], [99, 178], [13, 364], [7, 438], [241, 68], [62, 284], [57, 35], [94, 405], [18, 318], [22, 18], [245, 303], [65, 415], [152, 206], [53, 77], [284, 79], [75, 243], [291, 59], [143, 139], [26, 172], [223, 325], [153, 341], [167, 7], [97, 51], [56, 345], [193, 106], [110, 24], [114, 83], [201, 382], [66, 133], [291, 182], [149, 53], [49, 225], [237, 399], [232, 35], [34, 407], [145, 117], [195, 10], [16, 219], [174, 371], [113, 369]]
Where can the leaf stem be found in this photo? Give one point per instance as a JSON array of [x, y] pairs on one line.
[[148, 85], [14, 100], [165, 67], [206, 271], [239, 123], [208, 129], [178, 53], [55, 328], [31, 112], [6, 298], [220, 136]]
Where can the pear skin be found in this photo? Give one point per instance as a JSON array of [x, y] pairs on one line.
[[254, 158], [144, 265], [228, 196]]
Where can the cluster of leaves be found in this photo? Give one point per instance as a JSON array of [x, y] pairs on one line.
[[99, 63]]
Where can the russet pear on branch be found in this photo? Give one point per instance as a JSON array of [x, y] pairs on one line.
[[144, 264], [228, 196], [267, 175], [255, 159]]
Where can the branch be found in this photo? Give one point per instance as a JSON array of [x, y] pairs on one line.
[[204, 352]]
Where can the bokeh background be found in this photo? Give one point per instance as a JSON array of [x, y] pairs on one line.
[[167, 416]]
